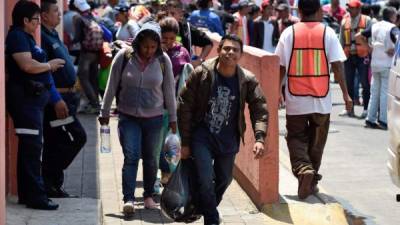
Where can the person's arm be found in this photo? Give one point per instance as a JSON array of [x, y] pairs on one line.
[[257, 105], [341, 33], [362, 38], [186, 107], [390, 41], [113, 84], [258, 109], [29, 65], [168, 87], [338, 71], [79, 25]]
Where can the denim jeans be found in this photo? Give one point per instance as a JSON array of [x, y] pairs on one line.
[[379, 92], [356, 66], [139, 137], [213, 178]]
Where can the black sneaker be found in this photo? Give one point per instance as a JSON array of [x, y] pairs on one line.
[[54, 192], [382, 125], [369, 124], [43, 205]]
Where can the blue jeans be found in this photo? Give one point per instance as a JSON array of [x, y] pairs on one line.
[[213, 178], [354, 66], [139, 137], [379, 92]]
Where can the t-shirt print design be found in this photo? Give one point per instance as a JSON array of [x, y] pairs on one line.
[[220, 109]]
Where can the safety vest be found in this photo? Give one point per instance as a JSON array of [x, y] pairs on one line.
[[361, 50], [308, 73], [240, 29]]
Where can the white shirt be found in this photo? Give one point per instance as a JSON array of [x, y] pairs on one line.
[[244, 22], [127, 31], [381, 42], [299, 105], [268, 31]]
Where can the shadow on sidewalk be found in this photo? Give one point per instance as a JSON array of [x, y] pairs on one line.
[[154, 216]]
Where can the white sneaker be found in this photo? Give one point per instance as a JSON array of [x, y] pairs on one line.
[[128, 208], [364, 114]]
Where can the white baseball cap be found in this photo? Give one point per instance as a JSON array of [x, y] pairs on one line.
[[82, 5]]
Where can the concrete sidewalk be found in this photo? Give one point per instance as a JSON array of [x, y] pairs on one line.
[[236, 207], [96, 178], [81, 179]]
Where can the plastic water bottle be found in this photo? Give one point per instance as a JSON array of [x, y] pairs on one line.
[[105, 142]]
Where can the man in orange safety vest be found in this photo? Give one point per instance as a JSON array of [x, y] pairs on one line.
[[307, 49]]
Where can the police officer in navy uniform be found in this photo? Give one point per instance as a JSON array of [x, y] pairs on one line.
[[29, 89], [63, 138]]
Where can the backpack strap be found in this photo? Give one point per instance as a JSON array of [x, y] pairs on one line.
[[127, 56], [161, 59]]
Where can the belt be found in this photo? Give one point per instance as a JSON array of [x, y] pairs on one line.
[[66, 90]]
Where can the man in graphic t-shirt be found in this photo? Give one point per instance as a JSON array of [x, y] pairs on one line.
[[211, 121]]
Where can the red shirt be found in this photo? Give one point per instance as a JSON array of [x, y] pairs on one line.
[[338, 14]]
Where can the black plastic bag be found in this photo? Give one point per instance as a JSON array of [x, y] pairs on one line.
[[179, 198]]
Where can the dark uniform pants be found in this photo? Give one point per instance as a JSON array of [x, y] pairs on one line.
[[306, 138], [63, 139], [26, 111]]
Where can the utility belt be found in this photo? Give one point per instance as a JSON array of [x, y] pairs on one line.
[[67, 90], [35, 88]]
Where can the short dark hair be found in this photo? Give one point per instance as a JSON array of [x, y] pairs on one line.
[[388, 12], [203, 4], [24, 9], [169, 24], [232, 37], [174, 4], [45, 5], [308, 7]]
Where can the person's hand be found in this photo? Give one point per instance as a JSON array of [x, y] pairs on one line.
[[55, 64], [258, 150], [61, 109], [185, 152], [172, 126], [390, 52], [196, 63], [104, 120], [348, 102]]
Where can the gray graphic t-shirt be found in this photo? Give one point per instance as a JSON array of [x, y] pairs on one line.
[[220, 125]]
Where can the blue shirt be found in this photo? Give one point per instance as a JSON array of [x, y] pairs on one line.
[[19, 41], [220, 125], [206, 19], [64, 77]]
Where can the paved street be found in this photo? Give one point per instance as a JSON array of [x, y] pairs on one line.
[[354, 167]]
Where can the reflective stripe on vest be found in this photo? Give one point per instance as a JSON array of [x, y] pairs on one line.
[[308, 73], [360, 49]]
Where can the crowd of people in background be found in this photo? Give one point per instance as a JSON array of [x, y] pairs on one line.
[[142, 53]]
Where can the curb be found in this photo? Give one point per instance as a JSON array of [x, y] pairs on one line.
[[317, 209]]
